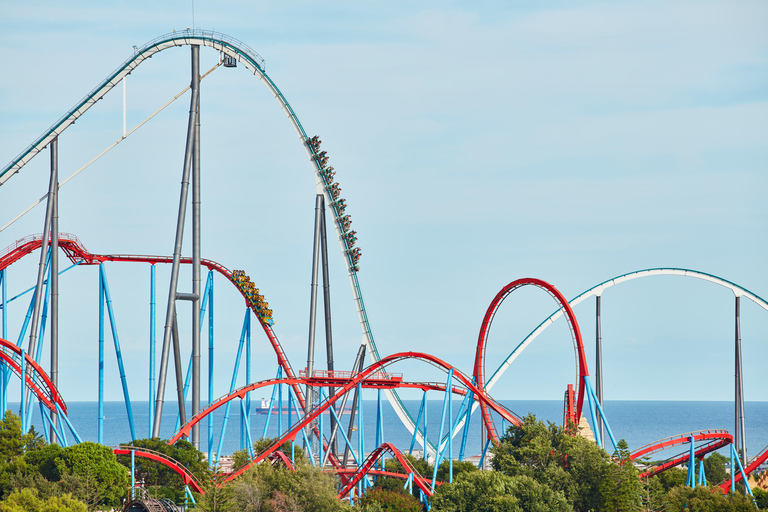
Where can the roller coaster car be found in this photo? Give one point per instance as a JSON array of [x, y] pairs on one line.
[[229, 62]]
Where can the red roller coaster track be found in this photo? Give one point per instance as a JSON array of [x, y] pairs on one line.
[[373, 457], [175, 465], [482, 341], [37, 380], [713, 440]]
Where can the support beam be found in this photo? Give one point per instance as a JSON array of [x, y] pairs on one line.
[[54, 277], [171, 305], [177, 365], [327, 310], [309, 402], [195, 433], [52, 184], [599, 364], [739, 438], [357, 368]]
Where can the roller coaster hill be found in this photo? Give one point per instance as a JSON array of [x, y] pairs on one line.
[[309, 401]]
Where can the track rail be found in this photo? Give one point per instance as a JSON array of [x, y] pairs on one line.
[[186, 477], [373, 457], [37, 380], [252, 61], [482, 342], [712, 439]]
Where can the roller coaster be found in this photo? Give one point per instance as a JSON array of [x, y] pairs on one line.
[[310, 392]]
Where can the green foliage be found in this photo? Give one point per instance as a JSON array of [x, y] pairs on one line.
[[714, 468], [703, 499], [217, 498], [27, 500], [621, 489], [94, 468], [13, 445], [671, 478], [162, 481], [586, 475], [492, 491], [389, 501], [267, 487], [761, 498]]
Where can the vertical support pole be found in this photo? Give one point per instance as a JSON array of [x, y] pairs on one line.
[[44, 248], [449, 390], [599, 364], [280, 410], [247, 371], [210, 368], [733, 469], [177, 365], [357, 368], [691, 481], [22, 412], [290, 409], [54, 278], [327, 310], [739, 438], [3, 388], [195, 433], [171, 306], [360, 437], [133, 474], [151, 345], [100, 435], [308, 404], [426, 439]]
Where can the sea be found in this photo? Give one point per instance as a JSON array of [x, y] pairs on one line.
[[637, 422]]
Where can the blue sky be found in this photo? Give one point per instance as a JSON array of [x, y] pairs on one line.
[[474, 144]]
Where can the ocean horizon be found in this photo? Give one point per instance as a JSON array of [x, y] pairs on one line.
[[637, 422]]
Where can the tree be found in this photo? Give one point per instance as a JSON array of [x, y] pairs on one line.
[[217, 498], [621, 489], [492, 491], [96, 467], [714, 468], [702, 499], [389, 501], [279, 488], [13, 446], [27, 500]]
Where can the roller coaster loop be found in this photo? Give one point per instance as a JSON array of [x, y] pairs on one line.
[[713, 440], [37, 380], [186, 477], [600, 288], [373, 457], [482, 340]]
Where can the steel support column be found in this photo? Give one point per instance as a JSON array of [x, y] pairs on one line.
[[54, 277], [309, 402], [739, 438], [195, 433], [599, 364], [52, 183], [327, 310], [171, 305]]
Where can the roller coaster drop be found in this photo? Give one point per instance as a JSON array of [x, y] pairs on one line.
[[474, 390]]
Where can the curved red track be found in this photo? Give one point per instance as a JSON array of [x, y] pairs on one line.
[[358, 378], [712, 439], [175, 465], [482, 340], [37, 380], [373, 457]]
